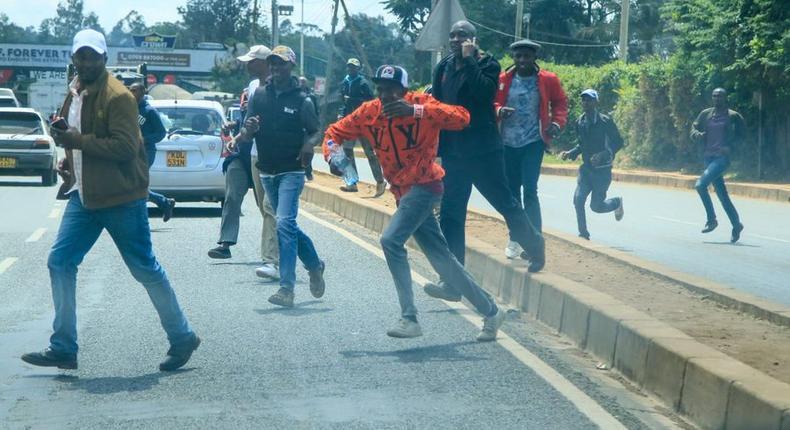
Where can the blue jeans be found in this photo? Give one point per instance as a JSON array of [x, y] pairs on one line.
[[283, 191], [158, 199], [415, 217], [522, 168], [714, 173], [129, 229]]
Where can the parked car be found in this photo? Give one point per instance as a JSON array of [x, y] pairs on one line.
[[26, 148], [7, 101], [188, 165]]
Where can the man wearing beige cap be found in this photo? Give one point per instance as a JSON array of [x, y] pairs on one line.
[[240, 170], [105, 179], [355, 90]]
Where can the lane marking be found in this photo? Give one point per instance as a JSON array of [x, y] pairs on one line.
[[36, 235], [767, 238], [5, 264], [55, 213], [584, 403], [674, 220]]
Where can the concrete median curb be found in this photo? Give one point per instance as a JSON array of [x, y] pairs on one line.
[[712, 389], [774, 192]]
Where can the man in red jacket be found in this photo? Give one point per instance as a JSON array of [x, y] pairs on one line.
[[532, 109]]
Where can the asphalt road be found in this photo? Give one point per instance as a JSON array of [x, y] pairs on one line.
[[663, 225], [325, 364]]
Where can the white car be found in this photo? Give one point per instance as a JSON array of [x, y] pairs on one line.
[[26, 148], [188, 164]]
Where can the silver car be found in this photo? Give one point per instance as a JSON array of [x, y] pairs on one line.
[[26, 148], [188, 164]]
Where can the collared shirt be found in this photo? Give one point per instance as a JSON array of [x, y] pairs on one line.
[[522, 127], [75, 120]]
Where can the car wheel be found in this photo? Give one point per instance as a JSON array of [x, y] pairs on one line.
[[49, 178]]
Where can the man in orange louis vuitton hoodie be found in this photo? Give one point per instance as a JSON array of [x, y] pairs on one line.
[[404, 129]]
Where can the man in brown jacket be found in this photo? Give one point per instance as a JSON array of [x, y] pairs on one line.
[[106, 184]]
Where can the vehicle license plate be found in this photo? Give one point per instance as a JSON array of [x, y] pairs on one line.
[[7, 163], [176, 159]]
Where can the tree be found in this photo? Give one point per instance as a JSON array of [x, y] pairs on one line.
[[12, 32], [132, 23], [223, 21], [69, 20]]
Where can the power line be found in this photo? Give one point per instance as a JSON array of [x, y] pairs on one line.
[[572, 45]]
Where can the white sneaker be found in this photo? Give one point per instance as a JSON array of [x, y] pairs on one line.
[[491, 326], [405, 328], [513, 250], [268, 271]]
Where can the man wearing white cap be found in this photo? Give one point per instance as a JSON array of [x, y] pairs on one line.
[[355, 91], [599, 141], [106, 184], [239, 170]]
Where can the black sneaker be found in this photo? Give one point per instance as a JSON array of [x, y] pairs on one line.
[[710, 226], [317, 284], [178, 355], [50, 358], [283, 297], [167, 212], [736, 233], [442, 291], [537, 258], [220, 252]]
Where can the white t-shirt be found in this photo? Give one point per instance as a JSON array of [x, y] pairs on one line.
[[74, 119], [254, 84]]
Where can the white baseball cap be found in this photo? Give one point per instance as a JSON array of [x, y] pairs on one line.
[[90, 38], [260, 52], [395, 74]]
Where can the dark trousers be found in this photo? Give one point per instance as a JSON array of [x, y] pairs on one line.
[[714, 174], [373, 160], [522, 168], [595, 182], [487, 173]]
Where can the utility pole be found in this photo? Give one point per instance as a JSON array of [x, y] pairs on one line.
[[330, 63], [254, 22], [624, 30], [301, 43], [354, 37], [436, 56], [519, 18], [275, 25]]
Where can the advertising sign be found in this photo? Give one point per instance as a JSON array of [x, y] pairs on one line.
[[154, 40], [154, 59]]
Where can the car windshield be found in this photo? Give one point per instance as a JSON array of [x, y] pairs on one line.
[[19, 123], [7, 102], [199, 120]]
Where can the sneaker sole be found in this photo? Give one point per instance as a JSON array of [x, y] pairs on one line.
[[403, 336], [265, 276], [218, 256], [65, 366]]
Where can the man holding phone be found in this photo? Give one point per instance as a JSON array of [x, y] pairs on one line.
[[106, 184], [474, 156]]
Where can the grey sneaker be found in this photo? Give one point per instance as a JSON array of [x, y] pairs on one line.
[[442, 291], [405, 328], [491, 326], [619, 212], [283, 297]]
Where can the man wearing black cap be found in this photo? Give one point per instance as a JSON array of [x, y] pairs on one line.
[[532, 108], [404, 128], [355, 91], [474, 156], [599, 141]]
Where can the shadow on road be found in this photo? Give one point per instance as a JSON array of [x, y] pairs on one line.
[[447, 352], [299, 309], [733, 244], [181, 212], [116, 384]]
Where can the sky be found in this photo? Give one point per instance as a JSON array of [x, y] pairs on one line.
[[110, 12]]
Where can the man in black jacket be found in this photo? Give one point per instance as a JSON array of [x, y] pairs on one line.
[[599, 140], [474, 156], [283, 121]]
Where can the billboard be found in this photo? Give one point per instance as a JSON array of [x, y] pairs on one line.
[[155, 41]]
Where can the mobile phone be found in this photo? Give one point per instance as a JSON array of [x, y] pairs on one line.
[[60, 124]]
